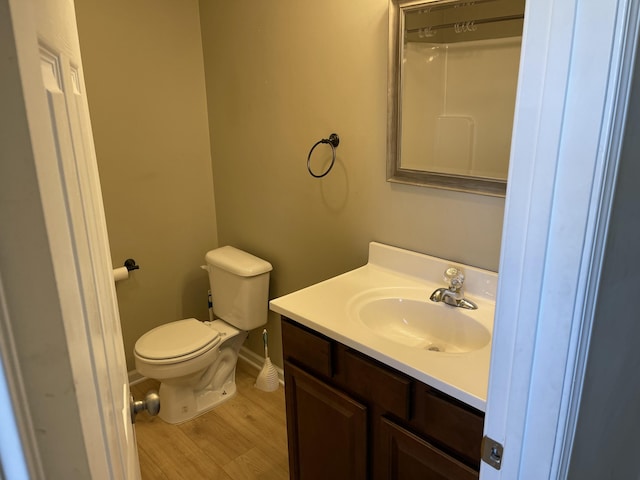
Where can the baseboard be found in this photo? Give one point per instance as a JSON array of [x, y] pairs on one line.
[[252, 359], [135, 377], [257, 361]]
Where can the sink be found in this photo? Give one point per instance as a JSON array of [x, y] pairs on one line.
[[382, 310], [409, 318]]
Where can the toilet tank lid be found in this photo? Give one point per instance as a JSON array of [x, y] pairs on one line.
[[237, 261]]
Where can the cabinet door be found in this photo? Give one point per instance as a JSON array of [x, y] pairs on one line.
[[409, 457], [327, 430]]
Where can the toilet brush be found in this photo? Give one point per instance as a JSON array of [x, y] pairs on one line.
[[268, 377]]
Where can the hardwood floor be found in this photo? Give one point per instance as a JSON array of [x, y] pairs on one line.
[[243, 438]]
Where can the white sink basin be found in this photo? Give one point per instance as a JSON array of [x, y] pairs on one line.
[[408, 317], [382, 310]]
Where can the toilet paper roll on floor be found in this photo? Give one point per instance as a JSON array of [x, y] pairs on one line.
[[120, 273]]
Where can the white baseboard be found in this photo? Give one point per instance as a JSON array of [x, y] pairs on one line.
[[250, 358], [135, 377]]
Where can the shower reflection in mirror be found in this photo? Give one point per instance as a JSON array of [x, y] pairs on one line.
[[453, 72]]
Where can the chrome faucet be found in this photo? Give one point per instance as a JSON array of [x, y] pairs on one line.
[[454, 294]]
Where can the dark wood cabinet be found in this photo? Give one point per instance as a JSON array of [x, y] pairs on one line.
[[327, 430], [351, 417], [407, 456]]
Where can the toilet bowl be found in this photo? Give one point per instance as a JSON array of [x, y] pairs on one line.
[[195, 361]]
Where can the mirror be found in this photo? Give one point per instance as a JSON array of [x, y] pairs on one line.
[[453, 72]]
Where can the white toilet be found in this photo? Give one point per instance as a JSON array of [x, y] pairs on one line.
[[196, 361]]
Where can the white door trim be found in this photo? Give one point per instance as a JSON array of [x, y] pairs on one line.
[[611, 142], [560, 180]]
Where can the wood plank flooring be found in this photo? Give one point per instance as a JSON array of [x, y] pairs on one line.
[[243, 438]]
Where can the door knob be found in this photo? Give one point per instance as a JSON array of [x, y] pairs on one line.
[[151, 404]]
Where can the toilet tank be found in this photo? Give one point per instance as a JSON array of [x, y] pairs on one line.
[[239, 287]]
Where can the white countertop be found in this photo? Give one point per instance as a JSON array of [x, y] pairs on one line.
[[327, 307]]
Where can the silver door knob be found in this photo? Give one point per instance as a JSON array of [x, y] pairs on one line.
[[151, 404]]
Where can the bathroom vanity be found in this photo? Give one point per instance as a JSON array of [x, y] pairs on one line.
[[381, 382], [366, 417]]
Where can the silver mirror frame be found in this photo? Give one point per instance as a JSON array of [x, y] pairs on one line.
[[395, 172]]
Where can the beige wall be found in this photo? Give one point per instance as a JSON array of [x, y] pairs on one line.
[[145, 82], [280, 76]]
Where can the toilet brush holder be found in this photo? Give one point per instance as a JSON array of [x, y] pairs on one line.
[[267, 380]]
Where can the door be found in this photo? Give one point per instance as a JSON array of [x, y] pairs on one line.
[[51, 161], [327, 431], [409, 457]]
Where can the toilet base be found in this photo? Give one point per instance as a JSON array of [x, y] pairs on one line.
[[185, 398], [178, 405]]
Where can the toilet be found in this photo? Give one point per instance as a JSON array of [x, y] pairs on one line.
[[195, 361]]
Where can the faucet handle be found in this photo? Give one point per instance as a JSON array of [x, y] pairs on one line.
[[454, 276]]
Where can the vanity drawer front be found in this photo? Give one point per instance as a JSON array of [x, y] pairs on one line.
[[451, 423], [306, 349], [380, 385]]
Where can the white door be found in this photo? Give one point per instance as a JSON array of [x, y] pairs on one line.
[[73, 230]]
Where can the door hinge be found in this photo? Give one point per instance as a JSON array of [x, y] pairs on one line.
[[492, 452]]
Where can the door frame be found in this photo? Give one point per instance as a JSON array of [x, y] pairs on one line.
[[570, 112]]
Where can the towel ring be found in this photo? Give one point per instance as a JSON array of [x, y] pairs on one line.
[[333, 142]]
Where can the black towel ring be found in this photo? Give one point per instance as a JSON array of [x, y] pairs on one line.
[[333, 142]]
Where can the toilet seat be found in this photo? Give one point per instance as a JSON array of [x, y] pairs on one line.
[[177, 342]]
